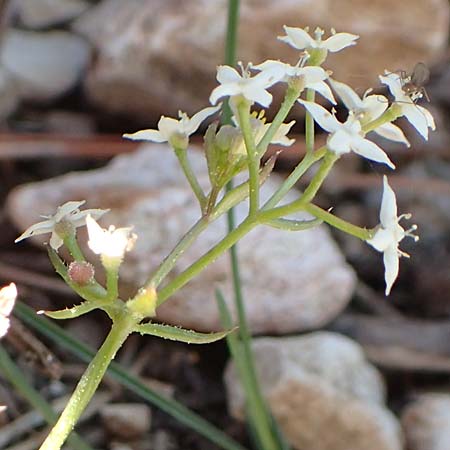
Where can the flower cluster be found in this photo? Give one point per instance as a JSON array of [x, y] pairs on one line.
[[232, 148]]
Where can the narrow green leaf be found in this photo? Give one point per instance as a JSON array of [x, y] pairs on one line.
[[293, 225], [180, 334], [175, 409], [75, 311]]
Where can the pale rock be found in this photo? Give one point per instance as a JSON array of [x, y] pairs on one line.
[[46, 13], [44, 65], [292, 280], [160, 56], [126, 420], [426, 422], [322, 392]]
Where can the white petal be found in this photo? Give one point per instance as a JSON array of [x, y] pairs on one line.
[[297, 38], [96, 234], [197, 119], [323, 89], [43, 227], [391, 267], [55, 241], [348, 96], [428, 117], [326, 120], [312, 74], [227, 74], [4, 327], [280, 136], [224, 90], [392, 132], [339, 142], [78, 219], [339, 41], [388, 211], [66, 209], [146, 135], [258, 95], [416, 118], [381, 240], [374, 106], [371, 151], [392, 81], [8, 295]]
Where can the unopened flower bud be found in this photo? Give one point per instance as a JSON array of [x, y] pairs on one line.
[[81, 272]]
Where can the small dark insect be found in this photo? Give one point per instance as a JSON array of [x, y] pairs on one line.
[[413, 84]]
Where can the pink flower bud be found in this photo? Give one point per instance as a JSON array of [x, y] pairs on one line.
[[81, 272]]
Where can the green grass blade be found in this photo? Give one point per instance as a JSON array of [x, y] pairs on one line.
[[16, 378]]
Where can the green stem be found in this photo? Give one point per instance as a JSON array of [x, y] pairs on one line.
[[111, 266], [257, 408], [308, 195], [89, 382], [170, 260], [252, 155], [199, 265], [292, 94], [309, 124], [181, 154], [392, 113], [74, 249], [294, 176], [340, 224], [16, 377]]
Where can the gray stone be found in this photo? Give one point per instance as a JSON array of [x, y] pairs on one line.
[[322, 392], [426, 422], [45, 13], [292, 280], [44, 65], [160, 56]]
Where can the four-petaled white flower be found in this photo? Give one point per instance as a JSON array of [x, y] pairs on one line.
[[390, 234], [312, 77], [346, 137], [67, 216], [368, 108], [169, 128], [300, 39], [8, 295], [112, 242], [419, 117], [253, 89]]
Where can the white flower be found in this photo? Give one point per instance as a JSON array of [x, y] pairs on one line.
[[112, 243], [301, 40], [8, 295], [259, 127], [419, 117], [313, 77], [169, 128], [390, 234], [68, 214], [368, 108], [346, 137], [254, 89]]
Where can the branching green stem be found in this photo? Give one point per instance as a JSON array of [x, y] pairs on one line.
[[181, 154], [89, 382], [337, 222], [252, 155], [309, 124]]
